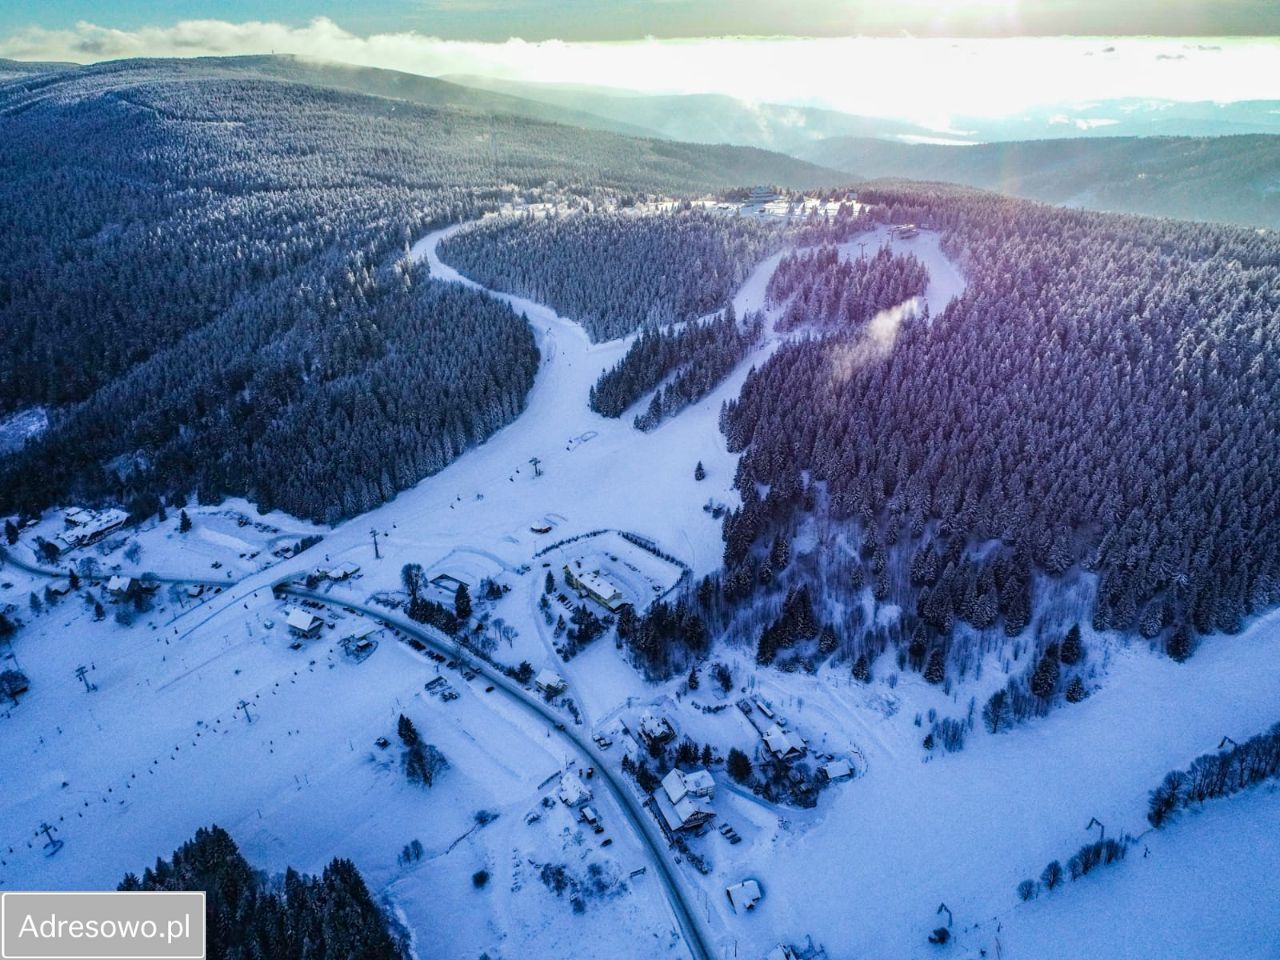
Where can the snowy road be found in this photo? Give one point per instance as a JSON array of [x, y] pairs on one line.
[[687, 919]]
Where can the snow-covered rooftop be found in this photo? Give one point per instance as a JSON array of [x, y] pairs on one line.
[[783, 743], [300, 619], [744, 895]]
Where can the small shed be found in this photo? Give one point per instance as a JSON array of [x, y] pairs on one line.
[[836, 770]]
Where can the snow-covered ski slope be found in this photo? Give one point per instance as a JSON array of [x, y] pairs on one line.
[[162, 746]]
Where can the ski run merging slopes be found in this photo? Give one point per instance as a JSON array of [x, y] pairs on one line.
[[162, 746]]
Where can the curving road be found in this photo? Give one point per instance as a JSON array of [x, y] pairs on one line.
[[7, 557], [693, 934]]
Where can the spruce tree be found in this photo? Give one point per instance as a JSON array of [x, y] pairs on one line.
[[407, 731], [1071, 649], [1044, 679], [184, 522], [1076, 690], [462, 603], [861, 669], [699, 474], [10, 532], [936, 670], [1179, 644]]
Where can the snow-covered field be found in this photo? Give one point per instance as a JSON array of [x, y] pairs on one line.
[[163, 745]]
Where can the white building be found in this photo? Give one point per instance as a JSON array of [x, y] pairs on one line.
[[743, 896], [572, 791], [119, 585], [549, 683], [303, 623], [594, 585], [85, 527], [783, 744], [836, 770], [698, 784], [343, 571]]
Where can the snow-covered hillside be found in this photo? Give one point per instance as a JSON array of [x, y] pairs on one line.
[[207, 714]]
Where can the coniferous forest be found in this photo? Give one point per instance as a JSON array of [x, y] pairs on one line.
[[1102, 400], [329, 917], [617, 272], [202, 277], [700, 355], [821, 287]]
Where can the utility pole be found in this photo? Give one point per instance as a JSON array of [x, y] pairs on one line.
[[82, 674], [1102, 830], [244, 705], [376, 554], [943, 907], [537, 466], [1225, 740]]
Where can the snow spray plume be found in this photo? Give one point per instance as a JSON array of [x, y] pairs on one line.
[[876, 341]]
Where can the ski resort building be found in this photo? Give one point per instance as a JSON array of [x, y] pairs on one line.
[[343, 571], [86, 527], [743, 896], [593, 585], [303, 623], [783, 744]]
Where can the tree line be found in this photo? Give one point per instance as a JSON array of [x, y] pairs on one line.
[[329, 917], [680, 365], [1219, 774]]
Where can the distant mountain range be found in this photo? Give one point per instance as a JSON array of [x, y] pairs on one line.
[[1207, 161], [1233, 179], [709, 118]]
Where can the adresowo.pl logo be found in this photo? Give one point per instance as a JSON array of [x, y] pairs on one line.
[[102, 926]]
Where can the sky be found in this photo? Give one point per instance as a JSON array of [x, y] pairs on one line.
[[921, 60], [497, 20]]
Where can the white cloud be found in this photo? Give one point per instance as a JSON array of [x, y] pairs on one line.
[[927, 80]]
